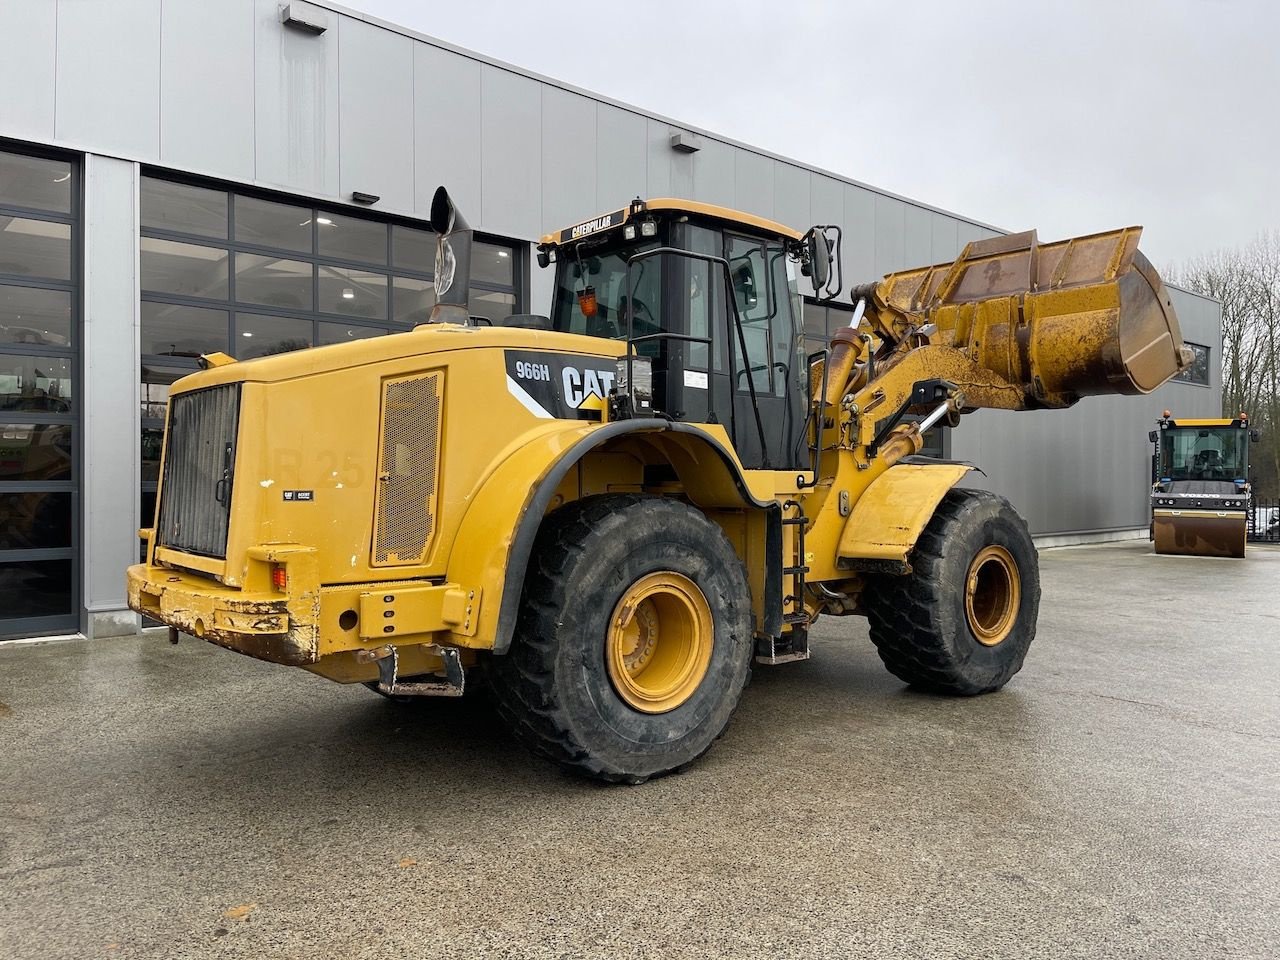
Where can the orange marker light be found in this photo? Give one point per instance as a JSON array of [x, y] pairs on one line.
[[280, 579], [587, 302]]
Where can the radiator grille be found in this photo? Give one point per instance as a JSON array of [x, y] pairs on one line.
[[195, 495], [406, 502]]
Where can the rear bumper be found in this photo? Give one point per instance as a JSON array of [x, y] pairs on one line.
[[268, 625], [306, 625]]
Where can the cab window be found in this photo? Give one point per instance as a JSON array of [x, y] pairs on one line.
[[758, 271], [592, 297]]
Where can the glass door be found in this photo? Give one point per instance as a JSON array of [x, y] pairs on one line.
[[39, 413]]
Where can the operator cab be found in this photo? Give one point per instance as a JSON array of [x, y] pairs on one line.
[[1203, 451], [708, 301]]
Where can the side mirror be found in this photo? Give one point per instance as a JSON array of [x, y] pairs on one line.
[[1254, 436], [818, 252], [1153, 436]]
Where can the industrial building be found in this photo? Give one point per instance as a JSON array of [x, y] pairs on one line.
[[250, 176]]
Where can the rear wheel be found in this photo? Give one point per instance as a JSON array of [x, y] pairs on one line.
[[961, 622], [634, 638]]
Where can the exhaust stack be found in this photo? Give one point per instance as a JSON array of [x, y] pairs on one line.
[[453, 261]]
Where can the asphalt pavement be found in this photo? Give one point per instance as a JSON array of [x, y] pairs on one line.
[[1119, 798]]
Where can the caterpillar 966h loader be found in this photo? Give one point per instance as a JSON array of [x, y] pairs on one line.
[[612, 511], [1200, 489]]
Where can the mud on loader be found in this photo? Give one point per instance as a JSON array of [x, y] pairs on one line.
[[613, 511]]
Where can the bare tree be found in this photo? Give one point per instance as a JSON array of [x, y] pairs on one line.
[[1247, 282]]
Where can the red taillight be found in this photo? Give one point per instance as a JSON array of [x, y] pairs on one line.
[[280, 579]]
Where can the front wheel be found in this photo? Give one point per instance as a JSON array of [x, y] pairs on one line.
[[962, 620], [634, 638]]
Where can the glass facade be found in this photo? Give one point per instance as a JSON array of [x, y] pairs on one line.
[[39, 332], [250, 276]]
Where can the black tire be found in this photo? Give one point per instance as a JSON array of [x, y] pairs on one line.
[[553, 687], [919, 622]]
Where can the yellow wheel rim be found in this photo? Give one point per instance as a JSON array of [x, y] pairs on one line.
[[658, 646], [992, 595]]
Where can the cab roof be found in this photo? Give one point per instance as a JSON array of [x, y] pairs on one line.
[[1241, 421], [636, 209]]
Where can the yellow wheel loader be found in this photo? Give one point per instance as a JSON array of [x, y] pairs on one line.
[[1200, 490], [612, 511]]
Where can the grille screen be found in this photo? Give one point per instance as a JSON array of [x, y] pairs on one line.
[[199, 463], [406, 504]]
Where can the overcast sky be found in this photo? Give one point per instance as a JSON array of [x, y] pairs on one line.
[[1070, 117]]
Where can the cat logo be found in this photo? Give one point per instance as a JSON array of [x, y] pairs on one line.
[[560, 386], [586, 389]]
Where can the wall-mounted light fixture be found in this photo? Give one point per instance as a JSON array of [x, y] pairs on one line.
[[682, 141], [305, 17], [365, 198]]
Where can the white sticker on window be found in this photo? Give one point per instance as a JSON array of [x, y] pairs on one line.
[[696, 379]]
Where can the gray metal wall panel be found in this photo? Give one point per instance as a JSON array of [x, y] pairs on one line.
[[511, 154], [662, 177], [622, 158], [295, 105], [791, 194], [944, 238], [108, 76], [968, 232], [28, 65], [568, 159], [752, 184], [446, 129], [826, 201], [109, 391], [206, 86], [375, 114], [1200, 320], [890, 235], [713, 173], [918, 247], [1088, 467], [859, 235]]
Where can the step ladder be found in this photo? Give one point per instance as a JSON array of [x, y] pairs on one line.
[[794, 643]]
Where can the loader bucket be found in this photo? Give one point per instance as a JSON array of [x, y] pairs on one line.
[[1062, 320]]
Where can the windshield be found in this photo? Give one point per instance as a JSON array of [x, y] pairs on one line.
[[1204, 453], [591, 296]]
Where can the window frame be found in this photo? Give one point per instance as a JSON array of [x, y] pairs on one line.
[[68, 621]]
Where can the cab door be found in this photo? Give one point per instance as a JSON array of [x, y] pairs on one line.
[[769, 376]]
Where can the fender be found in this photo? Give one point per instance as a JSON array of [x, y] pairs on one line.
[[889, 517], [495, 540]]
